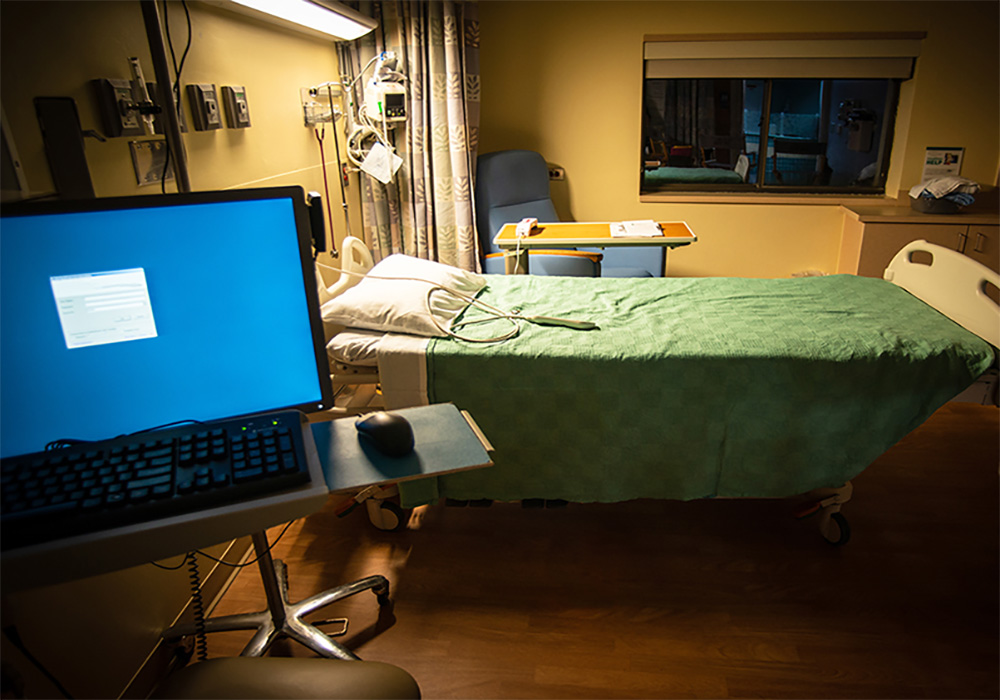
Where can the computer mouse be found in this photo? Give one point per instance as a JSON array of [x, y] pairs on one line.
[[389, 433]]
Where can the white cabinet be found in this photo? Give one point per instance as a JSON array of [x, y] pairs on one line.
[[983, 244], [873, 235]]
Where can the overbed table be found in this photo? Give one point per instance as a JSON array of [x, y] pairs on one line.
[[583, 234]]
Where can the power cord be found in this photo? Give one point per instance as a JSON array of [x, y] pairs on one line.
[[73, 442], [197, 599], [178, 67], [223, 562], [198, 606]]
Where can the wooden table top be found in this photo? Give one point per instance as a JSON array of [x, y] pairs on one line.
[[595, 234]]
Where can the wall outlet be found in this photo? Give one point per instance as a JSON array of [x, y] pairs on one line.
[[234, 97], [556, 173], [205, 111]]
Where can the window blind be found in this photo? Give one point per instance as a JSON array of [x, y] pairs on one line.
[[782, 56]]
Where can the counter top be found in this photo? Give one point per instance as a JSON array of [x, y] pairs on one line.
[[896, 214]]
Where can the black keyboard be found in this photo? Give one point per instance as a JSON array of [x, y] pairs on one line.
[[147, 476]]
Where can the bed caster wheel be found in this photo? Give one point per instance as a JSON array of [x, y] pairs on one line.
[[386, 515], [836, 530]]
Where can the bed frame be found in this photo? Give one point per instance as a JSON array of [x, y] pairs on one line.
[[948, 281]]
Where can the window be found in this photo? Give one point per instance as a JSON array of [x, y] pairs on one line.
[[782, 114]]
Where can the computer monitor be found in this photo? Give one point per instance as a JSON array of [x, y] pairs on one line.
[[124, 314]]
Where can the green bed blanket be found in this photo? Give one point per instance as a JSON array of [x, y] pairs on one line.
[[695, 388], [693, 176]]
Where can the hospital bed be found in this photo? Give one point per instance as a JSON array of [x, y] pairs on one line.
[[688, 388]]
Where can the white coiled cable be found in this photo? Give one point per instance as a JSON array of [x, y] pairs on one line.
[[492, 312]]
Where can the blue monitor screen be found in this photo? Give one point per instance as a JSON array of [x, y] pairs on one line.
[[135, 313]]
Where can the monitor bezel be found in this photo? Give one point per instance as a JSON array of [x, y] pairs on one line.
[[294, 193]]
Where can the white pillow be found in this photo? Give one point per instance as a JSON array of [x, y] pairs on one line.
[[355, 347], [393, 297]]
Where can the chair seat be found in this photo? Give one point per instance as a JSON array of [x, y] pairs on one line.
[[625, 272], [632, 261], [563, 263], [281, 677]]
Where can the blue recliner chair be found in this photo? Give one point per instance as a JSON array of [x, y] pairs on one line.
[[512, 185], [632, 261]]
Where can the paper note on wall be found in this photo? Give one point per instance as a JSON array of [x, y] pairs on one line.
[[381, 163], [942, 162]]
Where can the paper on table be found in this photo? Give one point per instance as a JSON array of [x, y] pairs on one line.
[[645, 228]]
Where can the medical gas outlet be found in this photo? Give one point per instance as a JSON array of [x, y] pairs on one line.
[[234, 97], [204, 102]]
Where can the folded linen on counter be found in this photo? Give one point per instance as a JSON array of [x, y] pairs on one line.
[[962, 199], [942, 186]]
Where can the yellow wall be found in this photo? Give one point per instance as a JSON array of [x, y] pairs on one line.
[[565, 79], [56, 48]]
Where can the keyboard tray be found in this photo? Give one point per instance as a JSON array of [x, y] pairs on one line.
[[97, 486]]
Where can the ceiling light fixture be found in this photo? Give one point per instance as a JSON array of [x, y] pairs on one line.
[[321, 18]]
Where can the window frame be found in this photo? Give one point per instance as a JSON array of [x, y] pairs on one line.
[[888, 56]]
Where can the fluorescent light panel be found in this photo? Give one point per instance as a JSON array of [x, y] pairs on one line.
[[328, 18]]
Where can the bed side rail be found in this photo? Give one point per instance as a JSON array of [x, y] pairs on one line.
[[953, 283], [354, 258]]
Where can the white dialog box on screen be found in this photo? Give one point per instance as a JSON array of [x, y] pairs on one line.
[[97, 308]]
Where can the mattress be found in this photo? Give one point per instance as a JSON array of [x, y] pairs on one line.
[[690, 388]]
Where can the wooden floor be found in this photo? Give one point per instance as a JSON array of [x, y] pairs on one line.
[[716, 599]]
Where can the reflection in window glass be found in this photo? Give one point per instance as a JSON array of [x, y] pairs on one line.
[[821, 134]]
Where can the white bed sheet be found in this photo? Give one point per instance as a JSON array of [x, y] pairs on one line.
[[358, 348], [402, 369]]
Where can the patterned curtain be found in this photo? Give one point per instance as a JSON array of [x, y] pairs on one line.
[[427, 209]]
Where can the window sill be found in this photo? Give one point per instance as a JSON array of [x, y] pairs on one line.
[[768, 198]]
